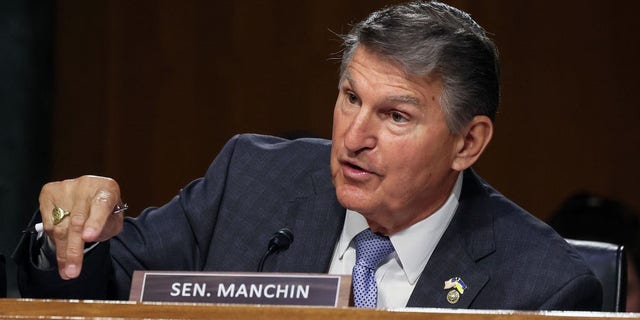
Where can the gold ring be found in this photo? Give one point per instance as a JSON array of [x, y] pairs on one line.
[[58, 215]]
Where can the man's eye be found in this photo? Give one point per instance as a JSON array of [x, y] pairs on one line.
[[398, 117], [352, 98]]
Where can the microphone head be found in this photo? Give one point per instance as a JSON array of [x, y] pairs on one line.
[[281, 240]]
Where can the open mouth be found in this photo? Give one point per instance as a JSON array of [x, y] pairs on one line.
[[351, 165], [356, 167]]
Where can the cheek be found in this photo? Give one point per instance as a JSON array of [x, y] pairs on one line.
[[414, 162], [410, 170], [341, 122], [335, 141], [336, 121], [334, 163], [401, 162]]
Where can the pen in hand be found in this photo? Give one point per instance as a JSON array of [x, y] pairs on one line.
[[39, 227]]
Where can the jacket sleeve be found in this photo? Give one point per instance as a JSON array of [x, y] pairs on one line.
[[37, 282], [175, 236]]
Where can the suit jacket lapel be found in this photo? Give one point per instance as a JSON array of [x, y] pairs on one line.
[[316, 222], [468, 239]]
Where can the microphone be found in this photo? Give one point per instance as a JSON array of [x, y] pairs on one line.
[[280, 241]]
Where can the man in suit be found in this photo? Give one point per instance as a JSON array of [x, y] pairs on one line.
[[418, 94]]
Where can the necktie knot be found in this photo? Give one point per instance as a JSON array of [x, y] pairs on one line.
[[371, 248]]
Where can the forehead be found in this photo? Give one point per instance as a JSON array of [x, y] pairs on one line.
[[385, 76]]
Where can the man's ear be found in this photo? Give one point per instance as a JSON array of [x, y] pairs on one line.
[[474, 139]]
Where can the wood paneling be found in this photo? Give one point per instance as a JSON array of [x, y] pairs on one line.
[[148, 91]]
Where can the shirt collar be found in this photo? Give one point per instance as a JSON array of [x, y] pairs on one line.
[[415, 244]]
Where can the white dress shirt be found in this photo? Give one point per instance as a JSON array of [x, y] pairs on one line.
[[398, 273]]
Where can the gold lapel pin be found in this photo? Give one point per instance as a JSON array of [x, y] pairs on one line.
[[457, 287], [453, 296]]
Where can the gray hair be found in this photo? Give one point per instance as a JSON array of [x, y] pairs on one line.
[[432, 38]]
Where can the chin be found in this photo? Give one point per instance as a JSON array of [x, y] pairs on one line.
[[353, 199]]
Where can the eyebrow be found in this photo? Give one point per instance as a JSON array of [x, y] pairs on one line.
[[345, 77], [393, 99], [405, 99]]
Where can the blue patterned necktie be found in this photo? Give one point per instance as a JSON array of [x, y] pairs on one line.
[[371, 248]]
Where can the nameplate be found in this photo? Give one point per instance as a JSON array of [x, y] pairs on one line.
[[241, 288]]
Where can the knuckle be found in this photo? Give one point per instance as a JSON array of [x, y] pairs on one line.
[[61, 254], [106, 190], [104, 196], [59, 234], [48, 189], [74, 252], [85, 178], [77, 222], [111, 185]]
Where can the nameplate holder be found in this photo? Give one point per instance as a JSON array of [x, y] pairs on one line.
[[298, 289]]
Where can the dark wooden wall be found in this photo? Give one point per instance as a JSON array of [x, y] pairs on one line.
[[148, 91]]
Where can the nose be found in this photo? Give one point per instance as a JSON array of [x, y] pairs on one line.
[[361, 134]]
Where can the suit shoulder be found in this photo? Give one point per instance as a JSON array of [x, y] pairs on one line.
[[531, 242], [258, 143], [278, 163], [527, 255]]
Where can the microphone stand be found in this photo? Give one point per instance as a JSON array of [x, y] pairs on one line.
[[280, 241]]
